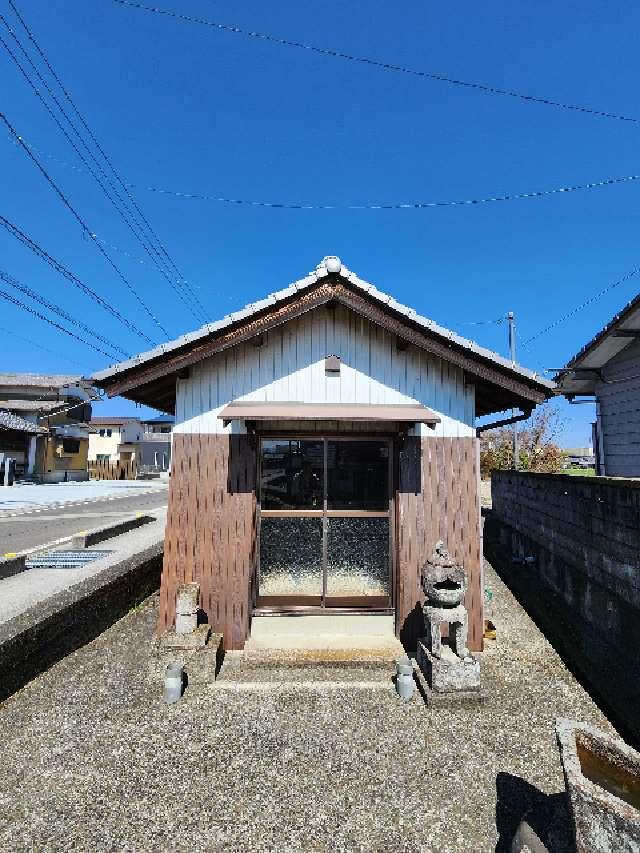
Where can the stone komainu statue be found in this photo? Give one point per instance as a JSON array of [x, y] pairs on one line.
[[444, 583]]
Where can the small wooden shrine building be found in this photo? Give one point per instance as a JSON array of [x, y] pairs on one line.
[[324, 441]]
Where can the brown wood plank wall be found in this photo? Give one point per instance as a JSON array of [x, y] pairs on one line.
[[211, 530], [437, 498]]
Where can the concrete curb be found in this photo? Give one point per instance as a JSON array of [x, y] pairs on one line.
[[14, 564], [34, 640]]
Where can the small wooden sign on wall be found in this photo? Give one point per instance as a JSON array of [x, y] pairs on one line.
[[332, 364]]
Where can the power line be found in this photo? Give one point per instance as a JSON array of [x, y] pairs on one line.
[[581, 306], [495, 322], [119, 249], [40, 316], [49, 259], [155, 239], [409, 205], [413, 205], [84, 226], [387, 66], [27, 291], [5, 331], [118, 203], [142, 262]]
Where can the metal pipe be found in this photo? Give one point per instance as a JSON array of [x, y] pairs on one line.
[[514, 420], [404, 678], [504, 422], [173, 680]]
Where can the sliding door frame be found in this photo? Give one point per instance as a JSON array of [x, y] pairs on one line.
[[326, 603]]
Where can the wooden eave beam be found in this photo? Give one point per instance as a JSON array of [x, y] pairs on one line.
[[256, 325], [401, 326], [331, 289]]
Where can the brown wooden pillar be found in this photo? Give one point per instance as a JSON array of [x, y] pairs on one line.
[[437, 499], [211, 530]]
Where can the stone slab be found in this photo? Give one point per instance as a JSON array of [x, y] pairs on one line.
[[195, 640]]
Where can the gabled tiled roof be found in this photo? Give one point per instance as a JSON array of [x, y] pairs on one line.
[[321, 272], [14, 422], [103, 420], [616, 322], [41, 380], [32, 405]]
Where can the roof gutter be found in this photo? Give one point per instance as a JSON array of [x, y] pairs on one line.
[[504, 422]]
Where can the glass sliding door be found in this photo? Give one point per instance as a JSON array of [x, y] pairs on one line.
[[325, 529]]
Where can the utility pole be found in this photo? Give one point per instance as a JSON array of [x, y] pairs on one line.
[[512, 353]]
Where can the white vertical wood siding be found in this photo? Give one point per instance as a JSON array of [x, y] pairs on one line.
[[619, 406], [290, 367]]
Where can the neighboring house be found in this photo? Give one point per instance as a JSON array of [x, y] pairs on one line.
[[58, 406], [106, 434], [608, 368], [324, 442], [145, 441], [579, 457], [18, 438], [151, 445]]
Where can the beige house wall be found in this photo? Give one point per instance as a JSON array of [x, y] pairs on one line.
[[99, 444]]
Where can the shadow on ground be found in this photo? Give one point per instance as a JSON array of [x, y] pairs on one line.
[[559, 626], [546, 814]]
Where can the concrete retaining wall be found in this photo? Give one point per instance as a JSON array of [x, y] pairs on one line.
[[570, 548], [31, 642]]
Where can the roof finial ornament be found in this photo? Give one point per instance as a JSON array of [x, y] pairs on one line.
[[332, 263]]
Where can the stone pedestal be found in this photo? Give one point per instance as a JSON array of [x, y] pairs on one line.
[[200, 652], [448, 679]]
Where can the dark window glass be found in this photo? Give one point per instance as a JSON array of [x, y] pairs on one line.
[[70, 445], [291, 556], [291, 474], [358, 475]]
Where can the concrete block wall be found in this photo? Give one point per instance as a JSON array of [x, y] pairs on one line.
[[571, 547]]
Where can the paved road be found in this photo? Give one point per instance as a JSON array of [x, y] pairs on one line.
[[22, 591], [29, 529]]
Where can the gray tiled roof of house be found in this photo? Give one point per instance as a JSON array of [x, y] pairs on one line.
[[319, 273], [43, 406], [41, 380], [104, 420], [615, 321], [15, 422]]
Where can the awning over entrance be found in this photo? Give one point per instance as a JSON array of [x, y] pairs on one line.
[[241, 410]]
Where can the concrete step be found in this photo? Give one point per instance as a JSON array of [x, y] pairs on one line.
[[333, 634], [242, 671]]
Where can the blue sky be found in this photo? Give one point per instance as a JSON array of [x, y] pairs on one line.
[[193, 109]]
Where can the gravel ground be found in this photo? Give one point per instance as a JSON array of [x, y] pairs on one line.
[[93, 761]]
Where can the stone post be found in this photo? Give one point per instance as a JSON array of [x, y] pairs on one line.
[[187, 608]]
